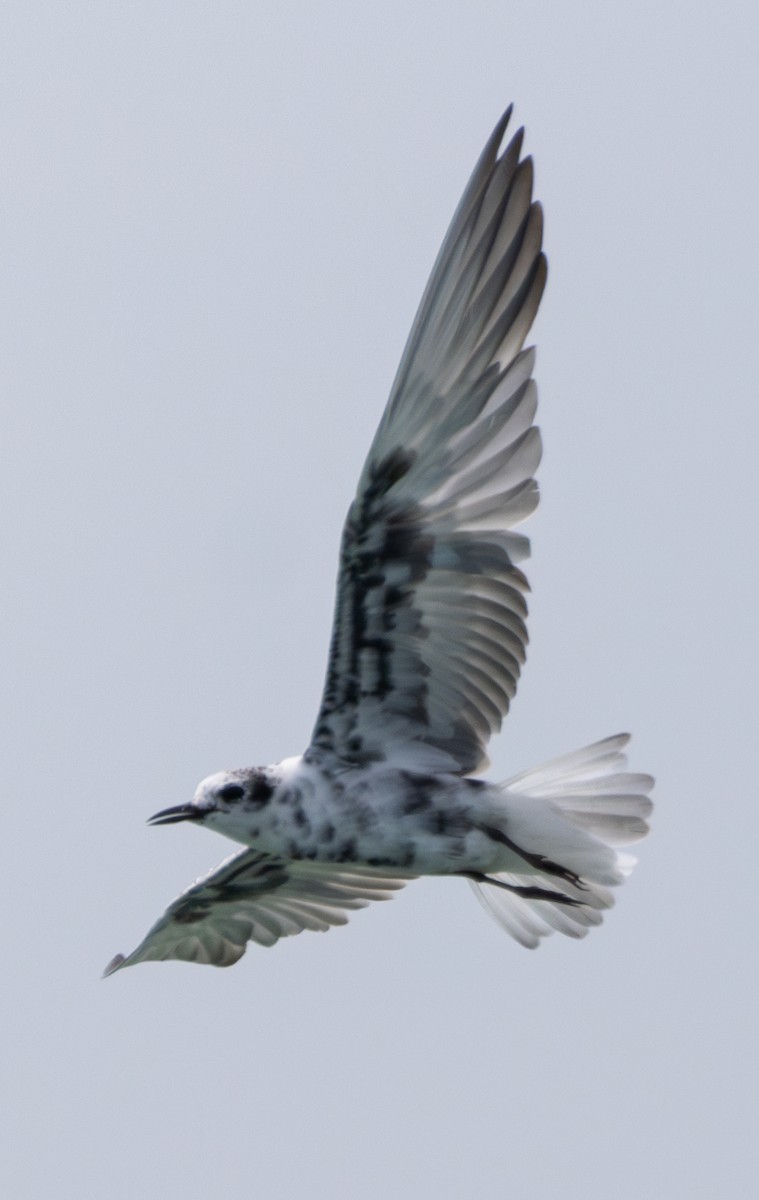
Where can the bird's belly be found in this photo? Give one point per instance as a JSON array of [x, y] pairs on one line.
[[424, 824]]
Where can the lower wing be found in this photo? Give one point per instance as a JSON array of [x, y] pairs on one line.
[[254, 897]]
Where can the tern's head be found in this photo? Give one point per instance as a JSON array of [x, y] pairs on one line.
[[223, 793]]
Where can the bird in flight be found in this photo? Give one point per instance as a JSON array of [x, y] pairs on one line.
[[429, 638]]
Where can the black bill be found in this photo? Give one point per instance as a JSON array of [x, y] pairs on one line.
[[182, 812]]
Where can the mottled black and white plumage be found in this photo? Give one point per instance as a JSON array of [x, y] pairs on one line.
[[428, 642]]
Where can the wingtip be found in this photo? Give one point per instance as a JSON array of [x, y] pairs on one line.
[[495, 140], [114, 964]]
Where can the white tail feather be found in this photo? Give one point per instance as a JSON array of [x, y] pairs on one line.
[[570, 813]]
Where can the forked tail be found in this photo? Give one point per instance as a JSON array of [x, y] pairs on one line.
[[566, 820]]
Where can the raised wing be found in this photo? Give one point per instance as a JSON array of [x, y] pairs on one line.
[[429, 632], [253, 897]]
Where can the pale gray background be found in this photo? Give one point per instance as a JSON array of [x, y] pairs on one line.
[[217, 220]]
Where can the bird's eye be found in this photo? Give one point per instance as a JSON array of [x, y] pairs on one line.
[[232, 791]]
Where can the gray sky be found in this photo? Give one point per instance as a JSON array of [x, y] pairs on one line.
[[217, 221]]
